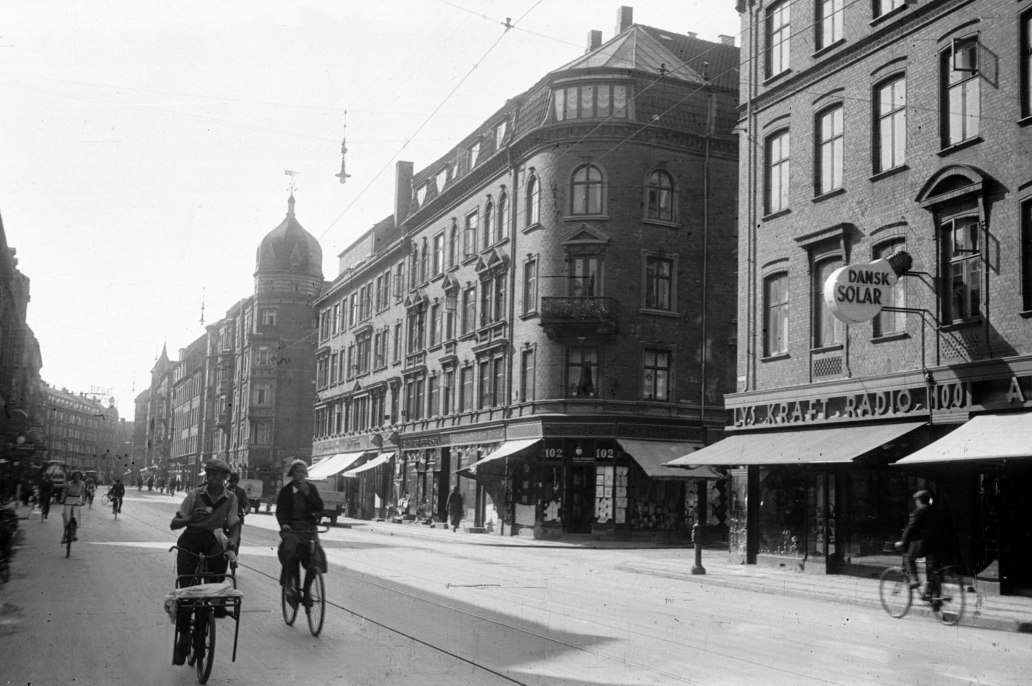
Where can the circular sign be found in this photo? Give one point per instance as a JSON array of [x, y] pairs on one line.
[[857, 292]]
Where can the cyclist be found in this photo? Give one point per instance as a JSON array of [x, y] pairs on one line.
[[91, 488], [922, 537], [204, 511], [72, 497], [46, 493], [117, 493], [298, 508], [242, 502]]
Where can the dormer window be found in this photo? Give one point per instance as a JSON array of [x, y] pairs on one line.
[[474, 153], [442, 178], [421, 194], [500, 134], [600, 100]]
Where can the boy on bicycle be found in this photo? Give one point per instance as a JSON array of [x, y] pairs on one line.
[[72, 497], [204, 511], [298, 509], [116, 493]]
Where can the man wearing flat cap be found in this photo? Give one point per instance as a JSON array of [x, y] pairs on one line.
[[298, 508]]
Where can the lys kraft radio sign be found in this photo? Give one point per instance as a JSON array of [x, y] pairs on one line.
[[858, 292]]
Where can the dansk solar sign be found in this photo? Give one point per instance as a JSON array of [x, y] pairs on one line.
[[858, 292]]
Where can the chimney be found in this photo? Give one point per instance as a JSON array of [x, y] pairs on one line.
[[727, 40], [402, 191], [624, 19], [691, 34], [594, 40]]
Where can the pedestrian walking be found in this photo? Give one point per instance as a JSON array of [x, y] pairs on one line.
[[456, 508]]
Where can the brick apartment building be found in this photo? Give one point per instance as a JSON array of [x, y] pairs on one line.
[[870, 129], [547, 315]]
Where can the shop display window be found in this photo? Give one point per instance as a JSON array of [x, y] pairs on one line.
[[782, 511], [551, 501], [877, 502], [654, 504]]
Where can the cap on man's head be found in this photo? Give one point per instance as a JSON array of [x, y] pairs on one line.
[[294, 465], [217, 465], [234, 476], [924, 496]]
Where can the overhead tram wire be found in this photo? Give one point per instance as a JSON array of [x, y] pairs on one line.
[[427, 120]]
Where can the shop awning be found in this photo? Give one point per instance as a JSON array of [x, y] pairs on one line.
[[507, 448], [983, 437], [375, 462], [806, 446], [652, 456], [335, 464]]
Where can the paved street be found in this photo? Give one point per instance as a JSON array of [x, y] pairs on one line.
[[439, 610]]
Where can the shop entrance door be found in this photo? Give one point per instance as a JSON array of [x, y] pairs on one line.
[[580, 495], [1019, 538]]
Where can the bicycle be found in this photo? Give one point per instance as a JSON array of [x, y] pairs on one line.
[[70, 529], [106, 499], [201, 612], [313, 593], [946, 592]]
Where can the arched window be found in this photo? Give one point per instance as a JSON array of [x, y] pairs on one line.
[[489, 223], [586, 190], [533, 201], [502, 227], [424, 262], [453, 244], [660, 194]]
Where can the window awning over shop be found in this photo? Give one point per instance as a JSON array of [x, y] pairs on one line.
[[335, 464], [507, 448], [838, 444], [371, 464], [652, 456], [984, 437]]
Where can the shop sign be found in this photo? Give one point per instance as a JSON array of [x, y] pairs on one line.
[[857, 292], [890, 403], [421, 442]]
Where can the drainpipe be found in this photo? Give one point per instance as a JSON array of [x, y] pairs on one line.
[[513, 214], [750, 252], [710, 123]]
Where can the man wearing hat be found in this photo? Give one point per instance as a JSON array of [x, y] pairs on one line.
[[205, 510], [922, 537], [298, 508]]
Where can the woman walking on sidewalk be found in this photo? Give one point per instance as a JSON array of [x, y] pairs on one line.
[[456, 508]]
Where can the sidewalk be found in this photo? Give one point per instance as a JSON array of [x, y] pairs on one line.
[[1001, 613]]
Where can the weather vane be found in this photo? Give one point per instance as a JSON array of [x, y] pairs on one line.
[[343, 175], [291, 174]]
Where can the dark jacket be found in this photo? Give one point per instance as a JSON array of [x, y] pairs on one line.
[[285, 505], [456, 506], [243, 504], [924, 529]]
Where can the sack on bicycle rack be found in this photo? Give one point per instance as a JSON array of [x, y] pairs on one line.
[[223, 589]]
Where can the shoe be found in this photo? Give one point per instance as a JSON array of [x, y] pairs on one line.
[[219, 612], [63, 541], [292, 598], [915, 584], [181, 650]]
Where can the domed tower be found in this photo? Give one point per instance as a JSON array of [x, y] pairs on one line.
[[279, 350]]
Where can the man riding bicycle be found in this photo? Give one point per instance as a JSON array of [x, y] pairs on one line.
[[298, 508], [923, 538], [204, 511], [117, 493], [91, 488], [72, 497]]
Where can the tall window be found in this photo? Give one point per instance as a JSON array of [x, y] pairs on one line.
[[890, 100], [777, 172], [964, 269], [438, 262], [827, 329], [417, 330], [656, 375], [883, 7], [589, 101], [829, 26], [961, 96], [660, 196], [435, 324], [469, 309], [775, 330], [527, 375], [353, 309], [502, 225], [498, 381], [584, 276], [533, 201], [453, 245], [474, 154], [830, 150], [582, 372], [399, 280], [434, 393], [777, 38], [469, 235], [1026, 255], [424, 262], [499, 297], [268, 317], [485, 395], [1025, 68], [586, 191], [489, 223], [530, 286], [396, 356], [466, 389], [447, 391], [415, 399], [888, 323], [262, 393], [659, 274]]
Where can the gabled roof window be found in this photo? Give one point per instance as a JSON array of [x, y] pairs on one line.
[[592, 101]]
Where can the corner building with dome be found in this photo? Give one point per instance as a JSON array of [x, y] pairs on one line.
[[547, 315]]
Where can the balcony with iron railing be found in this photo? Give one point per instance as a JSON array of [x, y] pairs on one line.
[[572, 317]]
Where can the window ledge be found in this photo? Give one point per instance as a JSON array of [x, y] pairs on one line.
[[658, 313], [775, 215], [662, 222], [775, 357], [780, 75], [828, 195], [959, 146], [834, 347], [888, 172], [453, 268], [1026, 314], [585, 217], [889, 337], [467, 259], [965, 324], [885, 16], [1025, 121], [533, 227], [828, 48], [437, 277], [530, 315]]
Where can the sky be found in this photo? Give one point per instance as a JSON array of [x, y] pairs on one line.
[[144, 145]]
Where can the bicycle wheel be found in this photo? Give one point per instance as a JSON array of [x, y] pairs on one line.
[[949, 606], [895, 592], [69, 535], [204, 644], [105, 501], [315, 600], [289, 613]]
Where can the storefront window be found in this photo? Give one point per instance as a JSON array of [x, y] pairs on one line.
[[876, 510], [655, 504], [782, 511]]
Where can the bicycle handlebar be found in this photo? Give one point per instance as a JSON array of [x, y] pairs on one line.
[[200, 555], [318, 530]]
